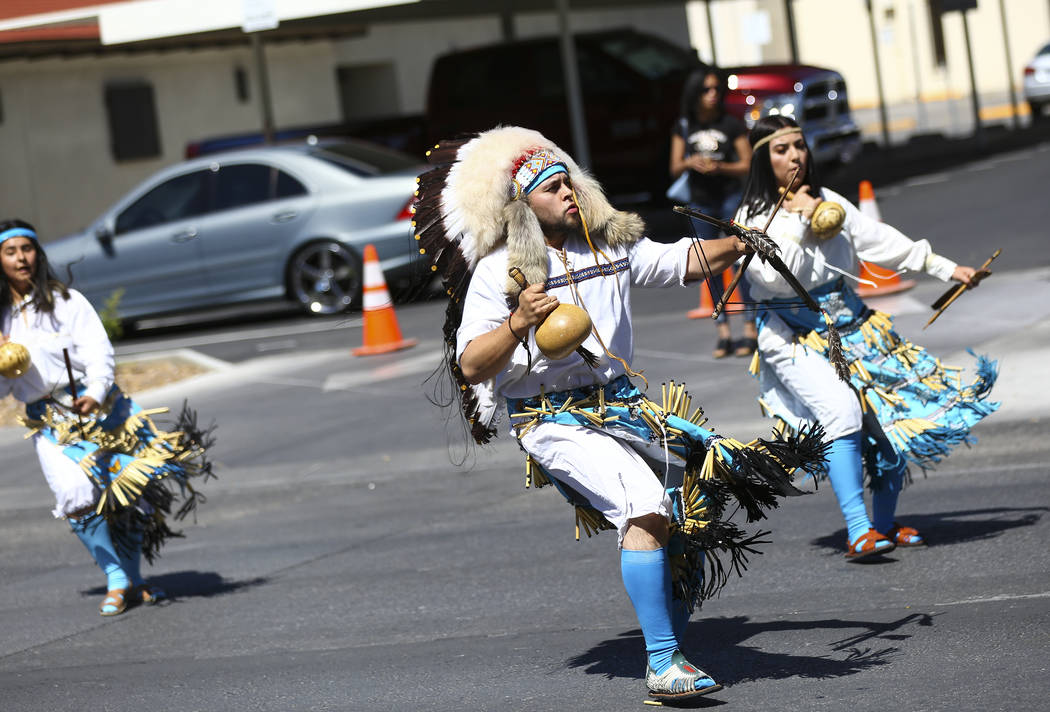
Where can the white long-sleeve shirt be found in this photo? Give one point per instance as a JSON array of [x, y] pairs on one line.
[[816, 262], [73, 325], [607, 300]]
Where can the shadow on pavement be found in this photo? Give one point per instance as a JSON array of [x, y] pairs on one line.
[[191, 584], [945, 528], [738, 663]]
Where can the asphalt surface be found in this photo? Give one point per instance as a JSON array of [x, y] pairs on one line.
[[344, 562]]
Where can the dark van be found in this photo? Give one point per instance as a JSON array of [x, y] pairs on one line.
[[631, 84]]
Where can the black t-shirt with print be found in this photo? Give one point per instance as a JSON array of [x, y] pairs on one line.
[[715, 140]]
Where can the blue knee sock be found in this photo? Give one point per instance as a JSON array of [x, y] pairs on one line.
[[130, 560], [647, 578], [847, 479], [93, 531], [679, 620], [884, 499]]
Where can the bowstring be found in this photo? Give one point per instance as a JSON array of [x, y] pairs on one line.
[[705, 265]]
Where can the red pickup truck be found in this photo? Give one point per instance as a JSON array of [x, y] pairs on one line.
[[815, 97]]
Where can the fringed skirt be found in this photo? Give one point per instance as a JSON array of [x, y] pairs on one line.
[[912, 404], [141, 472], [717, 473]]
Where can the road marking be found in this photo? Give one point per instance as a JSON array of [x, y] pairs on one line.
[[230, 337], [345, 380], [209, 362], [278, 345], [985, 165], [995, 599], [896, 304], [927, 179]]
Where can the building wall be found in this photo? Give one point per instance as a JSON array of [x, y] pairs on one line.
[[55, 138], [838, 35]]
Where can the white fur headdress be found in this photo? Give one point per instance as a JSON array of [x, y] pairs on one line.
[[467, 208]]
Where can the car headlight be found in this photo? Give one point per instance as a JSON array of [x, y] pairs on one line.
[[782, 105]]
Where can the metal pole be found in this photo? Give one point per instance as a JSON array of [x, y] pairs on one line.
[[792, 38], [1009, 67], [506, 21], [973, 77], [920, 108], [580, 142], [711, 33], [265, 102], [878, 78]]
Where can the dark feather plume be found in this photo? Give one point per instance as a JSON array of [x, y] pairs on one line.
[[447, 261]]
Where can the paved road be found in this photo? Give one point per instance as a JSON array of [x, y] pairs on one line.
[[343, 563]]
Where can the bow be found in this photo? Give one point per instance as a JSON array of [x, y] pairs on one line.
[[954, 292], [760, 244], [766, 249]]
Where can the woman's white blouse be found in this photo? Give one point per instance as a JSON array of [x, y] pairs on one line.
[[74, 325], [816, 262]]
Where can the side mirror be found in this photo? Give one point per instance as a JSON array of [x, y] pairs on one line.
[[104, 235]]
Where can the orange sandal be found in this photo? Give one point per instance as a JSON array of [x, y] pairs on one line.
[[114, 603], [868, 544], [905, 536], [149, 595]]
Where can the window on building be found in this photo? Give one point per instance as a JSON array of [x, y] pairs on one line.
[[132, 115], [240, 85]]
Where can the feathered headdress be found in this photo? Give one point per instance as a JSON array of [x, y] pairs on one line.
[[472, 201]]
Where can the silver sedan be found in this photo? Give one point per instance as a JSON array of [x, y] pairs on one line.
[[278, 221]]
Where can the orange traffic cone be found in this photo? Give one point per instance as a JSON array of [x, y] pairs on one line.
[[707, 305], [381, 332], [886, 282]]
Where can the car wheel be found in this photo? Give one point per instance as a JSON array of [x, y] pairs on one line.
[[325, 278], [1036, 111]]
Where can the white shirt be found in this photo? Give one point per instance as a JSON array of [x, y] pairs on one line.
[[73, 325], [816, 262], [606, 299]]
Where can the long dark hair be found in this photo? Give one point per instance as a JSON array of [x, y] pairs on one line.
[[43, 299], [760, 192], [694, 88]]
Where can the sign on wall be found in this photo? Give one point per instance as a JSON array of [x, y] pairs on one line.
[[259, 15]]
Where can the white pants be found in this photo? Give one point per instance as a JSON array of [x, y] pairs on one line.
[[73, 489], [610, 472], [802, 384]]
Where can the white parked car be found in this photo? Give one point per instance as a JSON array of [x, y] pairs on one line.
[[1037, 83]]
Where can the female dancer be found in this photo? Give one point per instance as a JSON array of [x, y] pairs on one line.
[[114, 475], [901, 404]]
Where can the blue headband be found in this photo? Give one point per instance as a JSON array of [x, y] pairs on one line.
[[534, 167], [545, 174], [17, 232]]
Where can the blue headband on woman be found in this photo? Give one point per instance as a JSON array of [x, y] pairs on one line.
[[17, 232]]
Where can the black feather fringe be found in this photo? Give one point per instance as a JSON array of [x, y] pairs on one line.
[[149, 515]]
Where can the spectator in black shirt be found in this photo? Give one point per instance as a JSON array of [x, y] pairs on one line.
[[712, 145]]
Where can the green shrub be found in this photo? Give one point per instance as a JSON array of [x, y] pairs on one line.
[[110, 316]]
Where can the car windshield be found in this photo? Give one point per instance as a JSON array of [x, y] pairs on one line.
[[363, 159], [652, 60], [1044, 50]]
